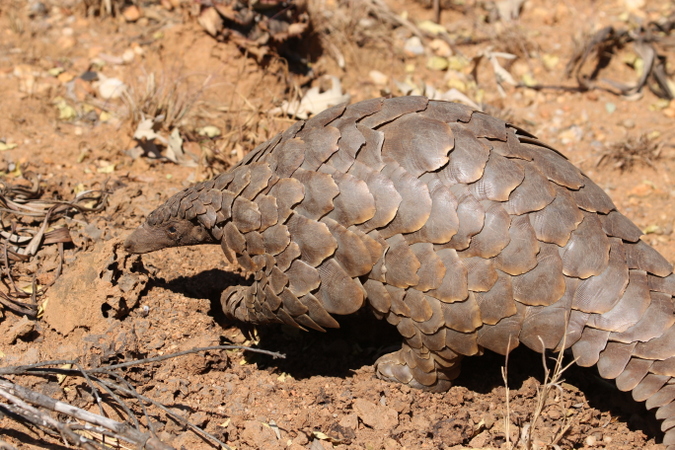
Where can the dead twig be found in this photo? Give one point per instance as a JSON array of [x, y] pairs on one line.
[[507, 416], [21, 399], [89, 430], [603, 45]]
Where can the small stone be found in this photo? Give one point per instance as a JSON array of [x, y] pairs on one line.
[[211, 21], [378, 77], [349, 421], [572, 134], [554, 414], [111, 88], [669, 111], [20, 329], [65, 77], [634, 6], [481, 440], [628, 124], [66, 42], [413, 46], [590, 441], [128, 55], [137, 48], [440, 47], [132, 13], [641, 190]]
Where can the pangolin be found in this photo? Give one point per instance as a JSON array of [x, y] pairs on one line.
[[463, 231]]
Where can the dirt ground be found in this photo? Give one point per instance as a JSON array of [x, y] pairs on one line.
[[58, 123]]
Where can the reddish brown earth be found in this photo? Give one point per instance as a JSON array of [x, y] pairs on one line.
[[104, 309]]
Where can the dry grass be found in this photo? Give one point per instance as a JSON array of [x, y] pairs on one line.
[[167, 100], [632, 151], [549, 393], [104, 8]]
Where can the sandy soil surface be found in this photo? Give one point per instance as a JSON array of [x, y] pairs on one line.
[[58, 123]]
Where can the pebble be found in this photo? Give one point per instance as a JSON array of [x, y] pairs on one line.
[[413, 46], [378, 77], [350, 421], [132, 13], [111, 88], [440, 47], [128, 55], [65, 77], [572, 134], [669, 111], [628, 124], [23, 327], [634, 6], [641, 190]]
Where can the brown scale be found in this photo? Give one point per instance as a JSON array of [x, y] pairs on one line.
[[443, 222], [520, 254], [494, 236], [543, 325], [599, 294], [501, 177], [471, 216], [462, 231], [533, 194], [354, 204], [556, 222], [437, 142], [323, 143], [614, 358], [320, 190]]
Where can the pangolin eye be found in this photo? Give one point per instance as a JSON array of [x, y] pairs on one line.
[[172, 229]]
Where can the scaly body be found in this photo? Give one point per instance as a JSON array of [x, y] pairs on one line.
[[461, 230]]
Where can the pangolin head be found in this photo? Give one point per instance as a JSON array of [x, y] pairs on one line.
[[168, 226]]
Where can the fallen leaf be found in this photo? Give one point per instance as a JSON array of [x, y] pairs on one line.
[[437, 63], [66, 112], [4, 146], [314, 101]]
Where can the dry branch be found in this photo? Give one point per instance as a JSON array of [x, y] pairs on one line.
[[88, 430]]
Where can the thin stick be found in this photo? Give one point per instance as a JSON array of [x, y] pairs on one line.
[[507, 416]]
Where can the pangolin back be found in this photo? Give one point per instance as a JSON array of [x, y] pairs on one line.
[[461, 230]]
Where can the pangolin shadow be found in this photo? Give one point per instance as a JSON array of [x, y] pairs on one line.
[[362, 338], [208, 284]]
